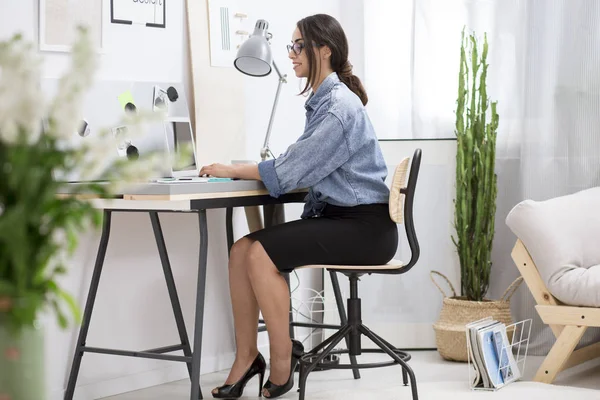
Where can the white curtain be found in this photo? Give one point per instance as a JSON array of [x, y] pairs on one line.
[[545, 74]]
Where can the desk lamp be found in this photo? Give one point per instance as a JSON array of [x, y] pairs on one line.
[[254, 58]]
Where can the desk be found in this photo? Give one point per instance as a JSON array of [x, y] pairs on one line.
[[179, 197]]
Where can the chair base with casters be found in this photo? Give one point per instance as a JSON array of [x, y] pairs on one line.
[[352, 330]]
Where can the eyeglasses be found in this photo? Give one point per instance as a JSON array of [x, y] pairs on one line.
[[297, 47]]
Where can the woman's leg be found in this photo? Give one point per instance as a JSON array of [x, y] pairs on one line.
[[245, 310], [272, 294]]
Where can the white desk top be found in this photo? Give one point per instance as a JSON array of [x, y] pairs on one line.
[[195, 190], [179, 196]]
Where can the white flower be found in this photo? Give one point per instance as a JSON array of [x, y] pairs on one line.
[[21, 99], [65, 109]]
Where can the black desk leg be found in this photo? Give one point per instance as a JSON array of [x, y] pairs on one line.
[[89, 306], [166, 264], [343, 319], [229, 227], [202, 264]]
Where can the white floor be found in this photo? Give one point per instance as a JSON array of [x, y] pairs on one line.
[[436, 379]]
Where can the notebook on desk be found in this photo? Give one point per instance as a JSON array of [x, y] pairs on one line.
[[193, 179]]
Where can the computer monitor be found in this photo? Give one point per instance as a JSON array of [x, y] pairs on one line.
[[181, 148]]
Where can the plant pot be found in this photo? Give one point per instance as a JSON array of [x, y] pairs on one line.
[[457, 312], [22, 364]]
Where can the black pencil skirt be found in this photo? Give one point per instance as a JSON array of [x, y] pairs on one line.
[[360, 235]]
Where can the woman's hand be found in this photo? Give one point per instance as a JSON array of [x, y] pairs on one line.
[[239, 171], [219, 171]]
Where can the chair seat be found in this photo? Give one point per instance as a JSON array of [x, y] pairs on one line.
[[393, 264]]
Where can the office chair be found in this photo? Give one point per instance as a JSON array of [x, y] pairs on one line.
[[401, 211]]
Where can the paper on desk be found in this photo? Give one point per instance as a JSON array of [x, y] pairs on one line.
[[191, 180], [176, 181]]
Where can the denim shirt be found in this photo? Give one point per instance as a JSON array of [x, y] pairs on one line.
[[337, 157]]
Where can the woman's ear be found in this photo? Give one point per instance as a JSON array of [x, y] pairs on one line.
[[325, 52]]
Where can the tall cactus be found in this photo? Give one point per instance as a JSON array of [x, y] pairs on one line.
[[475, 203]]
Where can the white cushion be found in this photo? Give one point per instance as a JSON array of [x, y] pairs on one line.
[[562, 236]]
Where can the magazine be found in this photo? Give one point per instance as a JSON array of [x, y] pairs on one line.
[[490, 352]]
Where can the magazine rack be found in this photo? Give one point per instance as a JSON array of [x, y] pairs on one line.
[[518, 342]]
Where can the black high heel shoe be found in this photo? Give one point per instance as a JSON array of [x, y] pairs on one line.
[[280, 390], [235, 390]]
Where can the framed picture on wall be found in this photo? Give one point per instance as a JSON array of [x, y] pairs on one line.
[[150, 13], [59, 18]]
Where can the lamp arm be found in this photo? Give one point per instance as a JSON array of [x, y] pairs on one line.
[[278, 72], [282, 79]]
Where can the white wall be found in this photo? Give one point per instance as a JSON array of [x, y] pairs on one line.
[[218, 95], [352, 19], [132, 52], [231, 112]]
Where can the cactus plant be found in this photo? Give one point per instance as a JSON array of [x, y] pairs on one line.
[[475, 203]]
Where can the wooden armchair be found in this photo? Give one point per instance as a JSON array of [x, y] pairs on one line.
[[567, 322], [562, 236]]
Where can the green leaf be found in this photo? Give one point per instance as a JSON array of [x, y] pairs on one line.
[[72, 241], [63, 322], [72, 304], [59, 270], [6, 288]]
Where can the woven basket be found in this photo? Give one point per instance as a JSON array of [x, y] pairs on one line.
[[457, 312]]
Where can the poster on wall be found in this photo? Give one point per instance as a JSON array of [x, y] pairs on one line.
[[59, 18], [149, 13], [229, 28]]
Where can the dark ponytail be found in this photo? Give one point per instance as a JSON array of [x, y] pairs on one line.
[[353, 82], [324, 30]]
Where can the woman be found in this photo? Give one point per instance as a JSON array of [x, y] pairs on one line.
[[345, 219]]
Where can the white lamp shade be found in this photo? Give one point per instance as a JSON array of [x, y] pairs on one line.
[[254, 57]]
